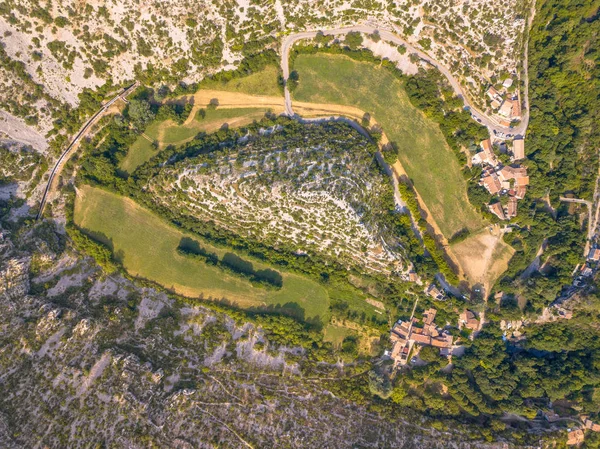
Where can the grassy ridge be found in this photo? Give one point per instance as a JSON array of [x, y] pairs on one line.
[[423, 151], [147, 248], [263, 82], [169, 133]]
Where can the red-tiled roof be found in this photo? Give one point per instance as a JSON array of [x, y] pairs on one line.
[[512, 207], [491, 183], [497, 210]]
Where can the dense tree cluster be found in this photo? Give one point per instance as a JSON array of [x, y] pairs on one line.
[[562, 145]]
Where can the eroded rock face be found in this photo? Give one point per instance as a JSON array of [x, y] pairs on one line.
[[14, 278], [94, 358], [317, 194]]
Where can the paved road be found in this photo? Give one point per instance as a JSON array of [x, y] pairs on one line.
[[388, 36], [67, 153]]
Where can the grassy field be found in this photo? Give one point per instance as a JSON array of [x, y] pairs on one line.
[[146, 246], [170, 133], [138, 153], [423, 151], [336, 334], [259, 83]]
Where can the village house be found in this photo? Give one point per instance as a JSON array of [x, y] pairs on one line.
[[551, 416], [497, 210], [591, 425], [506, 109], [486, 156], [575, 437], [594, 255], [414, 277], [564, 313], [518, 149], [586, 270], [469, 320], [491, 183], [434, 292], [519, 174], [511, 208], [507, 83], [515, 113], [493, 93], [405, 336], [520, 192]]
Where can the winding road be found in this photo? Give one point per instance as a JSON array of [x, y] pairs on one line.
[[74, 143], [491, 123]]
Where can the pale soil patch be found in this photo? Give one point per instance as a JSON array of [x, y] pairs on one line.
[[17, 130], [49, 344], [324, 110], [376, 303], [210, 126], [95, 372], [483, 256], [231, 100], [388, 51]]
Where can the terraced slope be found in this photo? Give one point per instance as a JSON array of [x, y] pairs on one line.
[[312, 189]]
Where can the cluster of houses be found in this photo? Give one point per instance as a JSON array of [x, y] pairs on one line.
[[576, 436], [408, 337], [507, 106], [411, 334], [592, 261], [587, 270], [499, 179]]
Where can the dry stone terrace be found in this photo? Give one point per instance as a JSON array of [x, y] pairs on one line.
[[315, 195]]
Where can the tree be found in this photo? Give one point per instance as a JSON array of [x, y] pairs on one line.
[[323, 39], [379, 384], [425, 43], [293, 80], [429, 354], [353, 40], [366, 120], [140, 113], [375, 37]]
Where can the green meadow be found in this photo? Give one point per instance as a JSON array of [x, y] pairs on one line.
[[263, 82], [422, 149], [146, 245], [168, 132]]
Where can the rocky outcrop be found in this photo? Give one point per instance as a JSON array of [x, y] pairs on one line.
[[14, 279]]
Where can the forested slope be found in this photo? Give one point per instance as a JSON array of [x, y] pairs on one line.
[[562, 145]]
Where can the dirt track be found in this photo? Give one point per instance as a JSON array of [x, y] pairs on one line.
[[232, 100]]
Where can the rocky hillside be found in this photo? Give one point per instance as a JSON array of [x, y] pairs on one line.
[[52, 51], [90, 359]]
